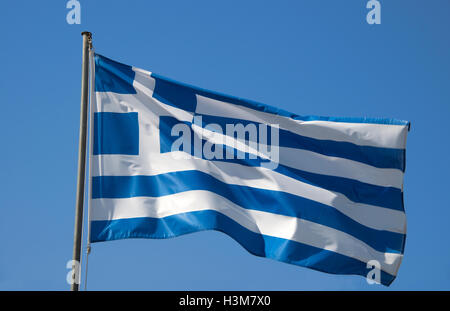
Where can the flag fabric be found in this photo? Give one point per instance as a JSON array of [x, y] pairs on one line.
[[169, 159]]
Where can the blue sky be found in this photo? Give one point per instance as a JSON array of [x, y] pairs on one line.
[[308, 57]]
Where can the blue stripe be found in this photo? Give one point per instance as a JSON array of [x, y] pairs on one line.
[[116, 133], [375, 156], [174, 94], [181, 95], [354, 190], [273, 110], [112, 76], [257, 244], [276, 202]]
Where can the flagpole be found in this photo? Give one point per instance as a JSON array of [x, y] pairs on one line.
[[77, 236]]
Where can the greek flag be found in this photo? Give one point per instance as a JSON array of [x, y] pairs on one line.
[[168, 159]]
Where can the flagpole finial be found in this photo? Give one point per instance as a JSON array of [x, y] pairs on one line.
[[89, 36]]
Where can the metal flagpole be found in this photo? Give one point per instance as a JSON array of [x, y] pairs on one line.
[[77, 237], [91, 143]]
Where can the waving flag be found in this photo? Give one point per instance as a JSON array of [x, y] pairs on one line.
[[169, 159]]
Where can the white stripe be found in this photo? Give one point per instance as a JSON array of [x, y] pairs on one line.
[[313, 162], [327, 165], [371, 216], [364, 134], [285, 227]]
